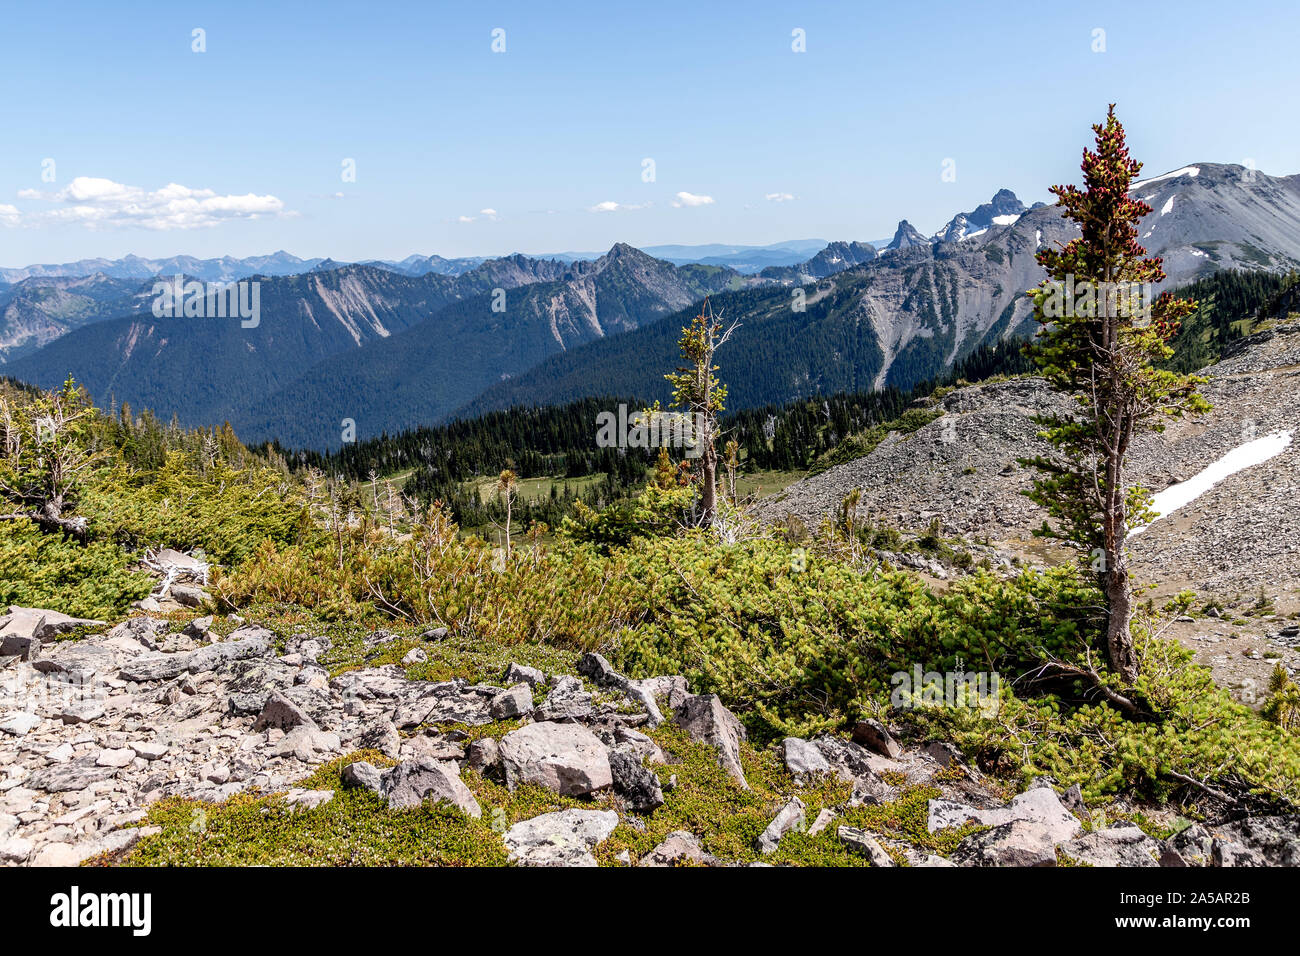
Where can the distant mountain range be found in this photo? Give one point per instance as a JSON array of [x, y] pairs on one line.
[[334, 345], [907, 314], [744, 259], [223, 269], [394, 347]]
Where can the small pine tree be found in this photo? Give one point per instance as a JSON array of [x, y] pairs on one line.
[[697, 390]]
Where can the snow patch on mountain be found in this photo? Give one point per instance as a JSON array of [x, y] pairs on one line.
[[1185, 171], [1245, 456]]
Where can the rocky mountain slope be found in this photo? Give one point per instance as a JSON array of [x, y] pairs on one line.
[[206, 369], [215, 369], [425, 372], [36, 311], [1238, 539]]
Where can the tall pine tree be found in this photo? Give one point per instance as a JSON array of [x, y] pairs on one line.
[[1102, 348]]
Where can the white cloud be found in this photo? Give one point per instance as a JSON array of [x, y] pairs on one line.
[[489, 213], [465, 218], [610, 206], [8, 216], [779, 197], [102, 203], [690, 199]]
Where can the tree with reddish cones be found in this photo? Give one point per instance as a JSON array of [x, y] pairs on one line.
[[1101, 340]]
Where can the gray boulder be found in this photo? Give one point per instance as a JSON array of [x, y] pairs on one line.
[[1018, 843], [364, 775], [411, 783], [18, 723], [515, 702], [281, 713], [567, 701], [873, 735], [802, 758], [520, 673], [1040, 806], [705, 719], [483, 755], [73, 775], [566, 758], [790, 817], [862, 842], [636, 784], [679, 848], [1274, 839], [564, 838], [598, 670], [381, 735], [1117, 846]]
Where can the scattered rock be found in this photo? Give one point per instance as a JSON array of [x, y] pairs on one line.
[[199, 628], [519, 673], [871, 790], [364, 775], [308, 744], [410, 783], [82, 711], [515, 702], [1274, 839], [594, 667], [860, 841], [75, 775], [824, 819], [1018, 843], [382, 736], [115, 758], [567, 701], [564, 838], [679, 848], [802, 758], [150, 750], [873, 735], [566, 758], [307, 799], [187, 595], [1193, 846], [943, 752], [1117, 846], [1040, 806], [790, 817], [281, 713], [19, 723], [15, 850], [705, 719], [483, 755], [637, 785]]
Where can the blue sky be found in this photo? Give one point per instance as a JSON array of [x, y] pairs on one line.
[[253, 132]]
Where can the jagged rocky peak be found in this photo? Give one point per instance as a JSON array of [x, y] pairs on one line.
[[838, 256], [958, 227], [1002, 210], [906, 236], [621, 255]]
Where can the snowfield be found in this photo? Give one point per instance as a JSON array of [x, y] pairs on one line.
[[1243, 456]]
